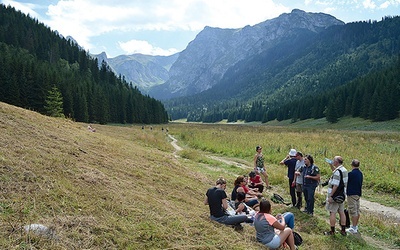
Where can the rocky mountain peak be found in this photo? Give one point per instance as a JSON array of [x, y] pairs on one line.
[[205, 60]]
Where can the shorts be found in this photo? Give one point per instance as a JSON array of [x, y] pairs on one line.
[[299, 188], [259, 170], [334, 207], [274, 243], [353, 204]]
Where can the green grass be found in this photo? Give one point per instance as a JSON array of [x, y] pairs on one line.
[[122, 188]]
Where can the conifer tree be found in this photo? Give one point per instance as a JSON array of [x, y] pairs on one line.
[[54, 103]]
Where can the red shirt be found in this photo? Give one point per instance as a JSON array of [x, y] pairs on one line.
[[256, 179]]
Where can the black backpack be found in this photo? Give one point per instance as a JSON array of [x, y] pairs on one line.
[[298, 240]]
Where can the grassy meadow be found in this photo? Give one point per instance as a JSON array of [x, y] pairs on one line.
[[122, 187]]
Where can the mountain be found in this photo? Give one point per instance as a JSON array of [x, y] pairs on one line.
[[143, 71], [208, 57], [295, 75]]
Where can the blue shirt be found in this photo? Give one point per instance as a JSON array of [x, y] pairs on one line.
[[354, 183]]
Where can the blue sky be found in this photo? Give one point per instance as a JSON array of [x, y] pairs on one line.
[[164, 27]]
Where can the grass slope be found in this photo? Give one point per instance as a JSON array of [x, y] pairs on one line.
[[118, 188]]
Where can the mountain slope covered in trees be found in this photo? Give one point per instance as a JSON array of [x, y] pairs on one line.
[[303, 75], [36, 62]]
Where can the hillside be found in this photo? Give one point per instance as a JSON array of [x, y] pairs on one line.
[[117, 188], [122, 187]]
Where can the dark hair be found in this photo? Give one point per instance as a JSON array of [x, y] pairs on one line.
[[310, 158], [252, 174], [238, 180], [258, 147], [265, 206], [220, 181], [355, 163], [299, 153], [240, 196]]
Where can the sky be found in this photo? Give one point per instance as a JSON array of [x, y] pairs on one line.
[[165, 27]]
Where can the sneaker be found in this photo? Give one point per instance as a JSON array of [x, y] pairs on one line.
[[352, 230], [343, 232], [329, 233]]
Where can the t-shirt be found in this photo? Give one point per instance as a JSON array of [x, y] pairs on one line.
[[299, 167], [256, 180], [291, 164], [215, 196], [354, 184], [263, 225]]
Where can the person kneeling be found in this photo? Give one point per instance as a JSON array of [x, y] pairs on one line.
[[266, 224]]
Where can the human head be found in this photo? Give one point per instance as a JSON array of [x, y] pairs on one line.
[[355, 163], [252, 174], [265, 206], [310, 158], [337, 160], [258, 148], [292, 152], [239, 180], [221, 182], [299, 155], [240, 196]]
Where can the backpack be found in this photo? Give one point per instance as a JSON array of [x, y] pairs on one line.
[[279, 199], [298, 240]]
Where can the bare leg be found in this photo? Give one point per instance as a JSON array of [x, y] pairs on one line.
[[287, 236]]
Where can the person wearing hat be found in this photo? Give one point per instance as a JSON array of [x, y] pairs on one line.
[[259, 166], [290, 161]]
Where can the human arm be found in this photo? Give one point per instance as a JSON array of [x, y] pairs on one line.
[[280, 222], [283, 161], [206, 201], [225, 203], [240, 208]]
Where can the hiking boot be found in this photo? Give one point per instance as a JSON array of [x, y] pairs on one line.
[[343, 232], [329, 233]]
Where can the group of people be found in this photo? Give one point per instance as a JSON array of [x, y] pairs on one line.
[[303, 179]]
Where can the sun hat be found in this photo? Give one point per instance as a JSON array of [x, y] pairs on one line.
[[292, 152]]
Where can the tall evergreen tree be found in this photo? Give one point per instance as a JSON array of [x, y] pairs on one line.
[[54, 103]]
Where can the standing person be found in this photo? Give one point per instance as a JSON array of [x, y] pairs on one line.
[[256, 182], [298, 173], [265, 224], [259, 166], [290, 162], [311, 177], [216, 199], [332, 206], [354, 187]]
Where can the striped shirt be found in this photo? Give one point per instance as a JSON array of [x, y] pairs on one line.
[[335, 179]]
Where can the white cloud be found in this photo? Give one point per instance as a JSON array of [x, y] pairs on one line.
[[369, 4], [26, 8], [143, 47]]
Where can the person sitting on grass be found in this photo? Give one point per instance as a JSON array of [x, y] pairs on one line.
[[266, 225], [241, 186], [256, 182], [216, 199], [242, 208]]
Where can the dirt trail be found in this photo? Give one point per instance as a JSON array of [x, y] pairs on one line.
[[366, 206]]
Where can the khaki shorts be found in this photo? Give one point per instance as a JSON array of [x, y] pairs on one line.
[[334, 207], [353, 203]]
